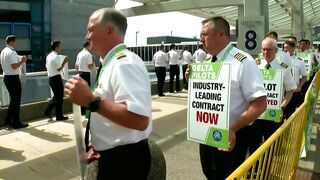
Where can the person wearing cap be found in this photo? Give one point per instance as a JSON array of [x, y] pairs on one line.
[[11, 63], [54, 65]]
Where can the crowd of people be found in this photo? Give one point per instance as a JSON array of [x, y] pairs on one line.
[[120, 101], [174, 58], [297, 61], [55, 62]]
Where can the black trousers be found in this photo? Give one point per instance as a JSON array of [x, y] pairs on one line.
[[86, 77], [56, 102], [218, 165], [161, 76], [132, 161], [185, 82], [13, 85], [296, 100], [260, 129], [174, 72]]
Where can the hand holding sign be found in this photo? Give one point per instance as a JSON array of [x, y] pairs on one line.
[[232, 141]]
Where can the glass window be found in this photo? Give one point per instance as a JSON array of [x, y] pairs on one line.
[[5, 30], [22, 30]]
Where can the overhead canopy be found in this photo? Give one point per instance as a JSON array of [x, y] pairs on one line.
[[280, 11]]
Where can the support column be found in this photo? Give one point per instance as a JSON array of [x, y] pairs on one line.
[[308, 31], [252, 25], [297, 20]]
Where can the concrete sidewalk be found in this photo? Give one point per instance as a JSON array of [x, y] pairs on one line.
[[46, 149]]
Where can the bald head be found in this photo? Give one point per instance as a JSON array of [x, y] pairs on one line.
[[269, 49]]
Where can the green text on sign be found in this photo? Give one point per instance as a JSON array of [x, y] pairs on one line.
[[205, 71]]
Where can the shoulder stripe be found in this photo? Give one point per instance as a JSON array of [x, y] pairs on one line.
[[284, 65], [120, 55], [240, 56]]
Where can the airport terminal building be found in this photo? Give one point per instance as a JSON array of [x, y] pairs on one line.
[[37, 22]]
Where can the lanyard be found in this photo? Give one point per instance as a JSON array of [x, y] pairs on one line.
[[230, 47], [107, 60]]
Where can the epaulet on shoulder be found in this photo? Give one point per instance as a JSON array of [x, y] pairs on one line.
[[120, 55], [284, 65], [240, 56]]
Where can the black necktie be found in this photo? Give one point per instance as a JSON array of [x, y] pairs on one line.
[[268, 66], [214, 58], [86, 135]]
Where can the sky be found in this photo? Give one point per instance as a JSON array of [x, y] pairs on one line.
[[162, 24]]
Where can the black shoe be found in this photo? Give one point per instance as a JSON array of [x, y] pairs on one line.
[[161, 95], [48, 115], [20, 125], [63, 118]]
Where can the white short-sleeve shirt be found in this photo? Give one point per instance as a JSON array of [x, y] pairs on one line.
[[84, 58], [173, 57], [299, 69], [124, 80], [199, 55], [53, 62], [9, 56], [246, 82], [160, 59], [285, 57], [186, 57], [288, 81]]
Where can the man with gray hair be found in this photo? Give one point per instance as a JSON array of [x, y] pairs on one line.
[[120, 102], [265, 128]]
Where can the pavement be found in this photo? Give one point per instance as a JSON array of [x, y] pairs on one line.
[[46, 149]]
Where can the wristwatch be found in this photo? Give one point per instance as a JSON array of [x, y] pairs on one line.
[[95, 104]]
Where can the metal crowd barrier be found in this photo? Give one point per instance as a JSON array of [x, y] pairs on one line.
[[278, 157]]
